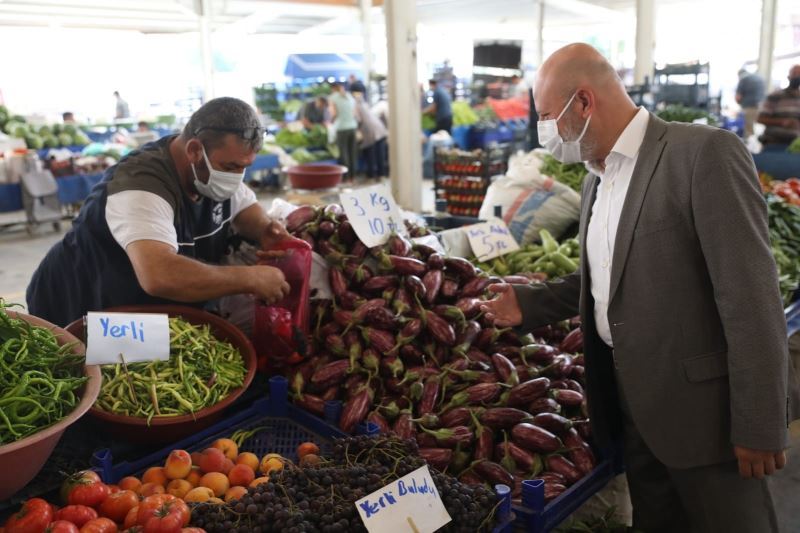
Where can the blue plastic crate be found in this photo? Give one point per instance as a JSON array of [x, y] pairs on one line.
[[285, 427], [533, 516]]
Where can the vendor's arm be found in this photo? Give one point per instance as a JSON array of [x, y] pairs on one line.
[[164, 274], [252, 222], [430, 110], [142, 224]]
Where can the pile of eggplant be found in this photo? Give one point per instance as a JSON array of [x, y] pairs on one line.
[[403, 345]]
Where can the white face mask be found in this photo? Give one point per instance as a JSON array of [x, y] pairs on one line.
[[221, 185], [564, 151]]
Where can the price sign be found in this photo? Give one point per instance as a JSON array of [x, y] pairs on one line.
[[373, 213], [137, 336], [490, 239], [411, 503]]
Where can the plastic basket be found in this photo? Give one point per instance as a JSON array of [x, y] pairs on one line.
[[284, 427], [533, 516]]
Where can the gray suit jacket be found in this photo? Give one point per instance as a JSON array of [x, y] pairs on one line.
[[696, 315]]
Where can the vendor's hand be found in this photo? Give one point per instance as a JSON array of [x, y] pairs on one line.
[[273, 233], [268, 283], [503, 311], [758, 463]]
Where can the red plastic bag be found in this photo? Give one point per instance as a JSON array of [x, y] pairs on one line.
[[280, 330]]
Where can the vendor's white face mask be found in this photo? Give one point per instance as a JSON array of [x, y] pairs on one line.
[[221, 185], [564, 151]]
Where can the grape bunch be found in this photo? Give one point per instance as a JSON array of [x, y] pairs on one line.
[[320, 499]]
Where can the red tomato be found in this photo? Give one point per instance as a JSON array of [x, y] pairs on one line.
[[77, 514], [61, 526], [130, 518], [34, 517], [90, 493], [164, 516], [99, 525], [113, 489], [118, 504], [193, 530]]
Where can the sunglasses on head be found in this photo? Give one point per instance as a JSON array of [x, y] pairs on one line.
[[248, 134]]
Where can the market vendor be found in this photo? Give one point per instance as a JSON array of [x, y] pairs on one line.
[[156, 227], [315, 112], [683, 326]]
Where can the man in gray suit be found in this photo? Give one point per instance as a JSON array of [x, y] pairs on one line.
[[684, 333]]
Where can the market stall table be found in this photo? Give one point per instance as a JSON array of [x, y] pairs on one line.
[[71, 190]]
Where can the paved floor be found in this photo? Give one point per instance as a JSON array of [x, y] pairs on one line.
[[21, 253]]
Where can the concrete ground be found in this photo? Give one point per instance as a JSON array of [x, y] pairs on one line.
[[21, 253]]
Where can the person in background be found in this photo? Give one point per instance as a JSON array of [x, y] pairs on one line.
[[780, 113], [749, 94], [67, 117], [342, 107], [373, 138], [685, 342], [440, 108], [315, 112], [518, 88], [356, 85], [156, 228], [143, 134], [122, 107]]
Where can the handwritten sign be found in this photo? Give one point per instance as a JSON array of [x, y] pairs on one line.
[[411, 503], [490, 239], [373, 213], [137, 336]]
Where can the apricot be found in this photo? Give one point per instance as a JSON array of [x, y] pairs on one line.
[[199, 494], [178, 465], [155, 474], [179, 488], [211, 460], [234, 493], [130, 483], [241, 475], [249, 459], [217, 482], [227, 446]]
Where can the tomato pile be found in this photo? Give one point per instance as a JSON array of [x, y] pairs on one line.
[[159, 501]]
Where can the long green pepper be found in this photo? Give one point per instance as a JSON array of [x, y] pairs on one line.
[[201, 371], [38, 378]]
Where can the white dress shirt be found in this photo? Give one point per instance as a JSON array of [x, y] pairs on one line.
[[606, 210]]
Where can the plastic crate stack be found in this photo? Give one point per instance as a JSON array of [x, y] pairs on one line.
[[462, 178]]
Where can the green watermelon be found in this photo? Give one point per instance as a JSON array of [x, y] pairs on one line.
[[56, 129], [11, 126], [20, 131], [34, 141], [69, 128], [50, 141], [44, 131], [80, 139], [64, 139]]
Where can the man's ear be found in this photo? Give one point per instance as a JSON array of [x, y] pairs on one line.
[[194, 151], [586, 100]]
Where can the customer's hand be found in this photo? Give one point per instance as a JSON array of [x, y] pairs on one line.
[[503, 311], [758, 463], [268, 283]]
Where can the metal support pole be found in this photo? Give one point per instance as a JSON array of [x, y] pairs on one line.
[[366, 34], [766, 47], [405, 127], [205, 46], [645, 40], [540, 36]]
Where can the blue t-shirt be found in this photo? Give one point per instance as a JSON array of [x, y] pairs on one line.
[[442, 101], [752, 89]]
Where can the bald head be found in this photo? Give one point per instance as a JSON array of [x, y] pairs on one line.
[[578, 81], [576, 65], [794, 72]]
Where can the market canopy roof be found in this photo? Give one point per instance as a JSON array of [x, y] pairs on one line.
[[323, 65]]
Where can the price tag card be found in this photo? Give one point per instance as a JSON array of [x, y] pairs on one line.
[[490, 239], [137, 336], [411, 503], [373, 213]]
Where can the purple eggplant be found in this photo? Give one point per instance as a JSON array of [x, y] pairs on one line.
[[544, 405], [380, 283], [475, 287], [381, 340], [460, 267], [433, 283], [503, 417], [527, 392], [435, 261], [449, 288], [534, 438]]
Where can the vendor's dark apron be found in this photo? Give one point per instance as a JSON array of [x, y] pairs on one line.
[[89, 271]]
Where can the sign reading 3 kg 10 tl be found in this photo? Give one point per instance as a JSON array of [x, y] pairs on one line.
[[373, 214]]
